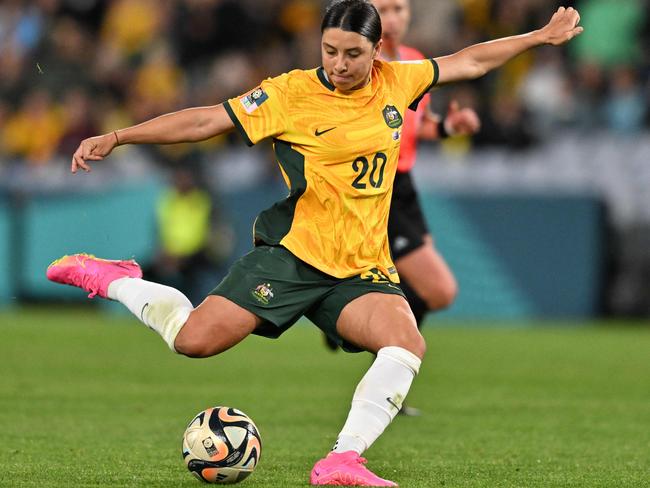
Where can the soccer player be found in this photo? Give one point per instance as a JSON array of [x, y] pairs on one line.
[[322, 251]]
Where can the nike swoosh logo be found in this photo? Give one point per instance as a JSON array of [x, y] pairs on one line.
[[319, 133], [390, 400], [142, 311]]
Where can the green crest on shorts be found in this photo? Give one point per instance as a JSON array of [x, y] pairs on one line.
[[263, 293]]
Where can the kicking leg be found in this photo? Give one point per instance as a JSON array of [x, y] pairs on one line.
[[214, 326]]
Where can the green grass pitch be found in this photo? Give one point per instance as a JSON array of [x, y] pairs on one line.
[[92, 399]]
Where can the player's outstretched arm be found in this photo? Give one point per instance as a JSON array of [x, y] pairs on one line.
[[189, 125], [477, 60]]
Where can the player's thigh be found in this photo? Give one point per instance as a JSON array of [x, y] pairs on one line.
[[426, 271], [341, 292], [376, 320], [215, 325], [265, 292]]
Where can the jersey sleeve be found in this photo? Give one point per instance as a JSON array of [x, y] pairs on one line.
[[416, 78], [260, 113]]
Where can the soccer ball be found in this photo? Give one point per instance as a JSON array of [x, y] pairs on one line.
[[221, 445]]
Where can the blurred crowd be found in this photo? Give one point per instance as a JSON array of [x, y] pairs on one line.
[[75, 68]]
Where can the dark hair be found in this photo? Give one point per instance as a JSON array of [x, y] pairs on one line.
[[357, 16]]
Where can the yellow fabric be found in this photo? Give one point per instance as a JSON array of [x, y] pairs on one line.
[[338, 227], [184, 222]]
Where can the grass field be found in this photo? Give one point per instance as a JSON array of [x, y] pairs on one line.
[[89, 399]]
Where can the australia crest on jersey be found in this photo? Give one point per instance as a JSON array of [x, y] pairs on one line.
[[254, 99], [392, 116]]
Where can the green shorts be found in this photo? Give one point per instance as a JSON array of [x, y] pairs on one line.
[[279, 288]]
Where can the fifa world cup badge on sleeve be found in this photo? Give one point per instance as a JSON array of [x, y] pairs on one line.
[[254, 99]]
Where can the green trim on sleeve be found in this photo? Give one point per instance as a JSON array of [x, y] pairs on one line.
[[237, 123], [436, 73]]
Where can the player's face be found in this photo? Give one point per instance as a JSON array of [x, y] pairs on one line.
[[348, 58], [395, 17]]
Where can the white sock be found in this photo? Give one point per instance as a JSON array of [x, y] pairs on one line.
[[161, 308], [378, 398]]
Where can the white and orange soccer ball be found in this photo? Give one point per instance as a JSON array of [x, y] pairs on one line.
[[221, 445]]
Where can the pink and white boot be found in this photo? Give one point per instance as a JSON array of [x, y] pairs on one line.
[[345, 469], [90, 273]]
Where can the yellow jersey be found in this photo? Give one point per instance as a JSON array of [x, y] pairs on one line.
[[338, 155]]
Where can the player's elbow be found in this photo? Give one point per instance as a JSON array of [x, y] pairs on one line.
[[476, 69]]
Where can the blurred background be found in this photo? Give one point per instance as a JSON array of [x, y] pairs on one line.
[[544, 214]]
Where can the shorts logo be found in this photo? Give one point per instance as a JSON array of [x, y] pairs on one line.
[[254, 99], [263, 293], [392, 116]]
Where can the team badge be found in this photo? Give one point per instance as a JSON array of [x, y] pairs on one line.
[[392, 116], [263, 293], [254, 99]]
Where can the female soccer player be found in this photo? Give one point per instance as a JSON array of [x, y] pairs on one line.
[[321, 252]]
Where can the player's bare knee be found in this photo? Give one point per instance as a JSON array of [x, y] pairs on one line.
[[417, 345], [188, 347], [191, 342], [408, 338], [414, 344]]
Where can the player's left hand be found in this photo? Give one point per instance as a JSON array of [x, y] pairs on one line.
[[562, 27], [461, 121]]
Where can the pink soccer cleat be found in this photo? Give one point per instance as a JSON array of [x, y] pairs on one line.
[[90, 273], [345, 469]]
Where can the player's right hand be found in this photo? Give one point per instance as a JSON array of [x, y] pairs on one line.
[[92, 149]]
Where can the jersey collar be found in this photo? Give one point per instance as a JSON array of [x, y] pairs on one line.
[[322, 76], [369, 88]]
